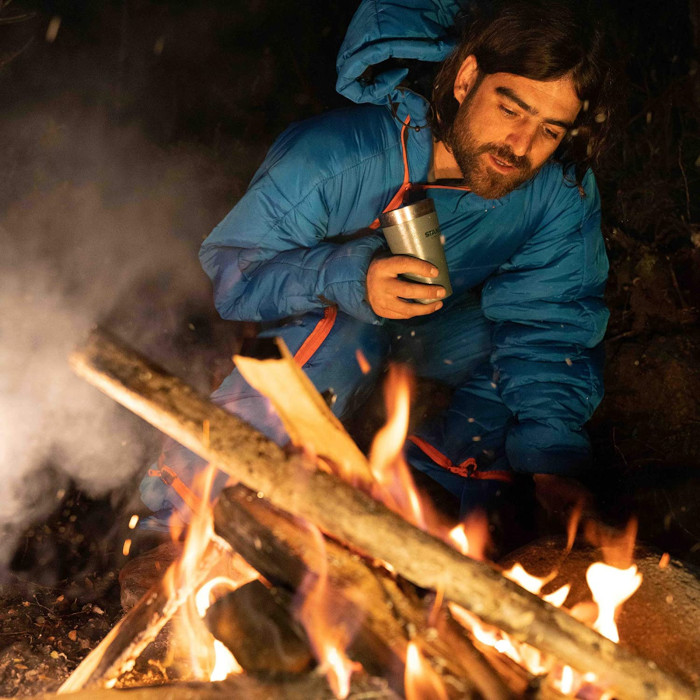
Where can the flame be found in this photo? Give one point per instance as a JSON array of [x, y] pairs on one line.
[[615, 580], [527, 581], [523, 654], [393, 484], [459, 538], [420, 681], [225, 662], [209, 659], [611, 587], [471, 537], [557, 598], [329, 635]]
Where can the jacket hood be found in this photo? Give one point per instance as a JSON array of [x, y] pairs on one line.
[[382, 37]]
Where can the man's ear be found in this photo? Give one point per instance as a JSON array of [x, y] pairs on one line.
[[466, 78]]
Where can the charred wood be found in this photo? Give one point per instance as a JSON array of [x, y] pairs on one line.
[[254, 622], [388, 614]]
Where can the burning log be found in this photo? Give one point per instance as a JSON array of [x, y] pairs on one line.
[[290, 482], [284, 552], [254, 622]]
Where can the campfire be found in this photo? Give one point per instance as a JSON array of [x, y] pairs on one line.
[[335, 567]]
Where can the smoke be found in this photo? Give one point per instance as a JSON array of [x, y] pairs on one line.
[[97, 225]]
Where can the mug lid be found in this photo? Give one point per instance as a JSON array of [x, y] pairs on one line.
[[407, 213]]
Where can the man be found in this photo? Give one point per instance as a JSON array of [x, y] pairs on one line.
[[519, 110]]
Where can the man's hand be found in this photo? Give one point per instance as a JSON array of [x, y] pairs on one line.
[[386, 292]]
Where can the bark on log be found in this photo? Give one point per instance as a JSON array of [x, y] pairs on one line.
[[351, 516], [285, 553]]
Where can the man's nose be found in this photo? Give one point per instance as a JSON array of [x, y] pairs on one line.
[[520, 140]]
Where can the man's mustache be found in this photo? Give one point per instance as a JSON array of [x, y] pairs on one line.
[[505, 154]]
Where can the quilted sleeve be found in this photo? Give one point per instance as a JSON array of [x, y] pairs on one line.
[[271, 256], [550, 318]]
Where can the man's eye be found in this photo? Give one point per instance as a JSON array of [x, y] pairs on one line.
[[551, 134], [506, 111]]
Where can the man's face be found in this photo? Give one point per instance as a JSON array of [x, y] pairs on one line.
[[507, 126]]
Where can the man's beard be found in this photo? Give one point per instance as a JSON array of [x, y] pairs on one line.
[[468, 153]]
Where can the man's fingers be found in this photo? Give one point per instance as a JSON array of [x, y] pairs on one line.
[[401, 264], [387, 291], [404, 309], [415, 290]]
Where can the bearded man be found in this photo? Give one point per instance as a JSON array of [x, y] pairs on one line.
[[520, 108]]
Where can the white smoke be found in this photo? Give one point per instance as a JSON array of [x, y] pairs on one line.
[[96, 225]]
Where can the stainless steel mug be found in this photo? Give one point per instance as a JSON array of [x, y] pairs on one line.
[[415, 230]]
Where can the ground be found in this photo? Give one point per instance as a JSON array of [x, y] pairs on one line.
[[127, 136]]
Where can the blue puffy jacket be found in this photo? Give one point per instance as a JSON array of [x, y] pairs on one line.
[[292, 244]]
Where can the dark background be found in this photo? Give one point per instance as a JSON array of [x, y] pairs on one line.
[[129, 135]]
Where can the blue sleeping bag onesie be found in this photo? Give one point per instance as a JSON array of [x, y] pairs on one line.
[[518, 340]]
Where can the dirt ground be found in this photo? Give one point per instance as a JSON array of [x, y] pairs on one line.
[[220, 107]]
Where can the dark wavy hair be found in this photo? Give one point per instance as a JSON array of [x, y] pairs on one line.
[[540, 40]]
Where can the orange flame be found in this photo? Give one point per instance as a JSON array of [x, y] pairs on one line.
[[471, 537], [225, 662], [616, 580], [611, 587], [393, 482], [209, 659], [420, 681], [329, 635]]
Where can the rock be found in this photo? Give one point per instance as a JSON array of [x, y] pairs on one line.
[[660, 622]]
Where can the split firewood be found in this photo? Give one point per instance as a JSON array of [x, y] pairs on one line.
[[304, 414], [290, 482], [255, 623], [118, 651], [284, 551]]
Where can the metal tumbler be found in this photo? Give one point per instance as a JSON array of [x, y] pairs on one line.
[[415, 230]]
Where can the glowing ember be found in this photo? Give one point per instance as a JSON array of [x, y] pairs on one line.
[[420, 681], [610, 588], [365, 367]]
